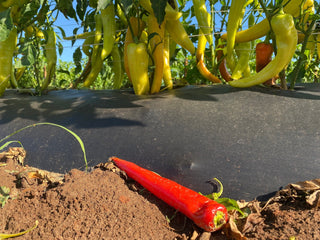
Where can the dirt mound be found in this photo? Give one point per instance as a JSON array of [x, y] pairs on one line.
[[102, 204]]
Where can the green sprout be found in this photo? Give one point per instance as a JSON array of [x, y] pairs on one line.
[[47, 123]]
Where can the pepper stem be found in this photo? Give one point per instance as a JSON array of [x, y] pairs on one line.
[[219, 219], [215, 195]]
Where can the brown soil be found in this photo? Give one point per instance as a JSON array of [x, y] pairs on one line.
[[103, 204]]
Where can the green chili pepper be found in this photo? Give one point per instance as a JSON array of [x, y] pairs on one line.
[[318, 45], [234, 20], [286, 40], [109, 30], [167, 78], [204, 71], [95, 68], [242, 67], [97, 39], [86, 46], [203, 18], [157, 45], [137, 26], [138, 67], [13, 80], [19, 72], [96, 57], [179, 35], [51, 56], [262, 28], [7, 48], [116, 67], [121, 14]]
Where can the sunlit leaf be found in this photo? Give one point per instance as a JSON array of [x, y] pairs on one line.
[[230, 204], [28, 52], [102, 4], [5, 24], [4, 196]]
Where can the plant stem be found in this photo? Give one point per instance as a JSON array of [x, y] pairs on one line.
[[282, 76], [213, 57], [135, 38], [296, 70]]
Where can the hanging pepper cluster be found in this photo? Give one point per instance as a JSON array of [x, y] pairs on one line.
[[238, 43], [147, 46], [140, 44]]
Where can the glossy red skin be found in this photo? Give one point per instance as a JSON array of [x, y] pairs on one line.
[[223, 66], [200, 209], [264, 53]]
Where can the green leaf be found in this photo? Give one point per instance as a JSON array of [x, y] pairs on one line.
[[5, 24], [300, 76], [30, 10], [63, 33], [60, 48], [74, 32], [42, 14], [230, 204], [81, 8], [8, 143], [159, 7], [4, 195], [127, 4], [180, 2], [150, 36], [77, 55], [4, 190], [66, 7], [56, 125], [28, 52], [102, 4], [60, 70]]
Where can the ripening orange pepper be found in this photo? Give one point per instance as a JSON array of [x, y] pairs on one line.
[[264, 53], [204, 71], [223, 64]]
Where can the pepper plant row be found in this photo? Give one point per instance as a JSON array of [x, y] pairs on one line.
[[155, 31]]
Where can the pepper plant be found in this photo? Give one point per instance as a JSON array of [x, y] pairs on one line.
[[183, 42]]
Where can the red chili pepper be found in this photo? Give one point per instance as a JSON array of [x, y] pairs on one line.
[[223, 65], [264, 53], [204, 212]]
